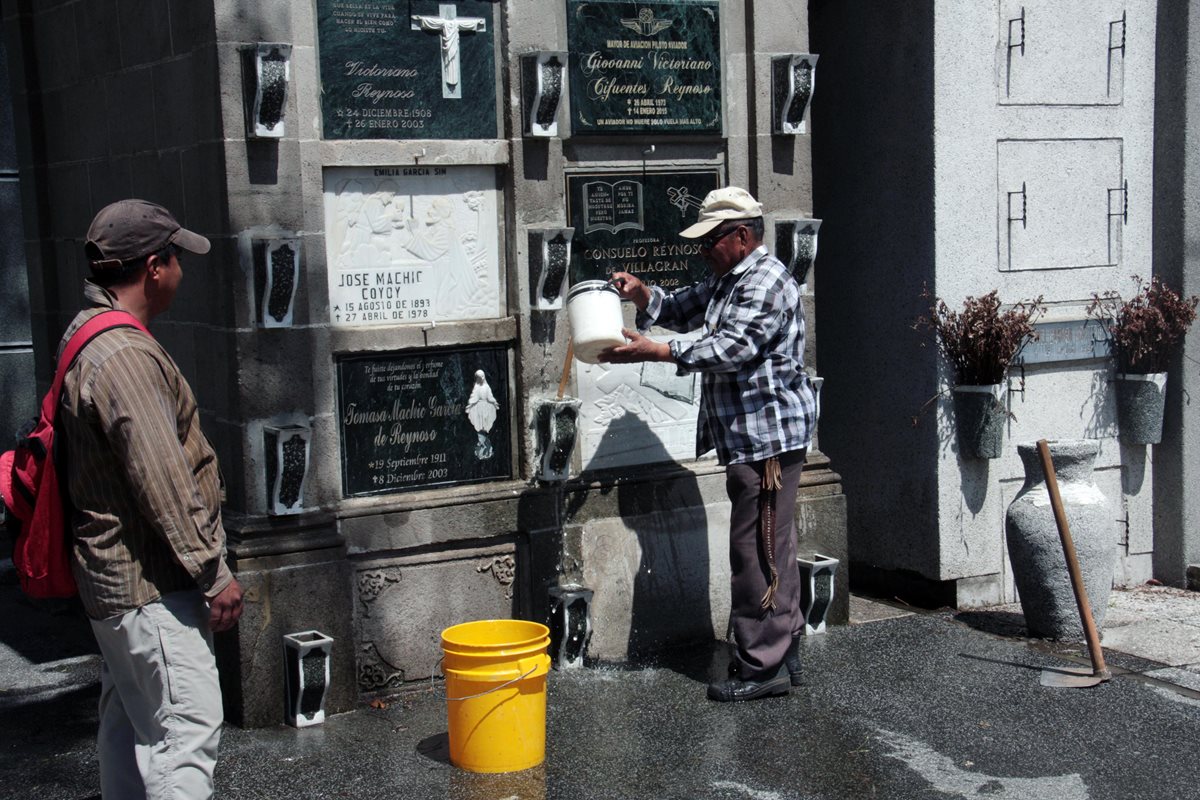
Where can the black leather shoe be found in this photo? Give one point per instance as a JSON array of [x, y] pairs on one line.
[[735, 690], [792, 661]]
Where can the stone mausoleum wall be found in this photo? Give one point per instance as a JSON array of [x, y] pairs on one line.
[[380, 327], [976, 146]]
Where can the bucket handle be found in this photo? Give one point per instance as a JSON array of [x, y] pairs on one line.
[[495, 688], [504, 685]]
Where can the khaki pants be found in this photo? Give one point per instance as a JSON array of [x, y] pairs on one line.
[[160, 702]]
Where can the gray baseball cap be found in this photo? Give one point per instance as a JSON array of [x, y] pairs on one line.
[[129, 229]]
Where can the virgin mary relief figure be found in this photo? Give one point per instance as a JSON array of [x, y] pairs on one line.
[[481, 410]]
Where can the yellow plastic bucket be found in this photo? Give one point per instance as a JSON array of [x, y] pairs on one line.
[[496, 693]]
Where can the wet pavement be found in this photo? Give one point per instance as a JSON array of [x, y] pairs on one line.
[[900, 705]]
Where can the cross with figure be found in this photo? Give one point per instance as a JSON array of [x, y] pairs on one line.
[[448, 25]]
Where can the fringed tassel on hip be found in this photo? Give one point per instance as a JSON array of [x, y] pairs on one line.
[[772, 481]]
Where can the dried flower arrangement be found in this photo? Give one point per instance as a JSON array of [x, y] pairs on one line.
[[1145, 328], [981, 341]]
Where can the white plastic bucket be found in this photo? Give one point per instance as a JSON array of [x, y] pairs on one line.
[[594, 311]]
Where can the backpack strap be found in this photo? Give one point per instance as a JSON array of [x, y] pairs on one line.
[[89, 330]]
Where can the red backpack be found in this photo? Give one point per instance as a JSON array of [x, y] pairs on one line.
[[29, 481]]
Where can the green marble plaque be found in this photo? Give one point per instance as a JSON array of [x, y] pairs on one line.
[[630, 222], [644, 67], [421, 419], [415, 69]]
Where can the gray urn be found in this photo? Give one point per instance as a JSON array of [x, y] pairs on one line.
[[1035, 549]]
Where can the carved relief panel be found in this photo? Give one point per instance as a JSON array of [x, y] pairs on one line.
[[637, 413], [412, 245], [403, 605]]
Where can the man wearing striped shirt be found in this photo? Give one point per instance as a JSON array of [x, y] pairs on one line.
[[145, 494], [757, 409]]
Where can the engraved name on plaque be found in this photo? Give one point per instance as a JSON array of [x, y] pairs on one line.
[[644, 67], [419, 69], [630, 222], [412, 244], [424, 418]]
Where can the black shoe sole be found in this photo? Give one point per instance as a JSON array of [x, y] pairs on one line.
[[773, 688]]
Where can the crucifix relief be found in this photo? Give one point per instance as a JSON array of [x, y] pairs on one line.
[[448, 25]]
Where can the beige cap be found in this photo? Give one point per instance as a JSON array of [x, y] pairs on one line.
[[730, 202], [129, 229]]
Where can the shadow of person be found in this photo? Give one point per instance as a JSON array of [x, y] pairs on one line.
[[669, 607]]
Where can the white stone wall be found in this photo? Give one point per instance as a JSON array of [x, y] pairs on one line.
[[1068, 130]]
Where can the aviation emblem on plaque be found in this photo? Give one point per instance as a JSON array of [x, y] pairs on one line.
[[645, 24]]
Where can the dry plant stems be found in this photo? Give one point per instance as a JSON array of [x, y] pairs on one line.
[[981, 341], [1145, 328]]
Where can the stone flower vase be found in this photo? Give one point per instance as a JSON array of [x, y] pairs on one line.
[[1035, 549], [979, 417], [1140, 403]]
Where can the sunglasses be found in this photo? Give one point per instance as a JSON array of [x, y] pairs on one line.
[[711, 240]]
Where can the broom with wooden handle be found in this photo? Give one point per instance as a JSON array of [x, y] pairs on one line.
[[1099, 672]]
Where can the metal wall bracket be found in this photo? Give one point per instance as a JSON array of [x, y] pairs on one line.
[[1115, 47], [276, 274], [549, 261], [1017, 45], [793, 79], [268, 74], [555, 427], [543, 80], [1112, 28], [1024, 217], [1122, 203], [286, 451], [796, 245]]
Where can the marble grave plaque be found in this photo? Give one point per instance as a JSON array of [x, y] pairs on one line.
[[644, 67], [416, 69], [637, 413], [425, 418], [412, 244], [630, 221]]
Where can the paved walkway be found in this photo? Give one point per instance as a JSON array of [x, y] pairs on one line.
[[898, 705]]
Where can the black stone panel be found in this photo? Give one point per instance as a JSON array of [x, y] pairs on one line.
[[644, 67], [380, 79], [630, 221], [420, 419]]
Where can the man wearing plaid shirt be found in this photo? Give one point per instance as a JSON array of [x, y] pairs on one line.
[[757, 409]]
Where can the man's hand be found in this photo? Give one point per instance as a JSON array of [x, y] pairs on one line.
[[631, 288], [225, 608], [639, 348]]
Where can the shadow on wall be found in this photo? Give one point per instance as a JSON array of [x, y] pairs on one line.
[[670, 603], [1101, 405]]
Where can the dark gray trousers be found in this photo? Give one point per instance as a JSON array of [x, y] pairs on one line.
[[762, 637]]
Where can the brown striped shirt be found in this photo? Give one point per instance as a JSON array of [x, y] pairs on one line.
[[142, 478]]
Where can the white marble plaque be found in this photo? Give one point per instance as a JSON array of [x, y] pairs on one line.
[[412, 244], [637, 413]]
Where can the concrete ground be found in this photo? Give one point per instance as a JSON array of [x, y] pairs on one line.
[[897, 705]]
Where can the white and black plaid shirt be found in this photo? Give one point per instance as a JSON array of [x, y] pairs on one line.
[[757, 400]]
